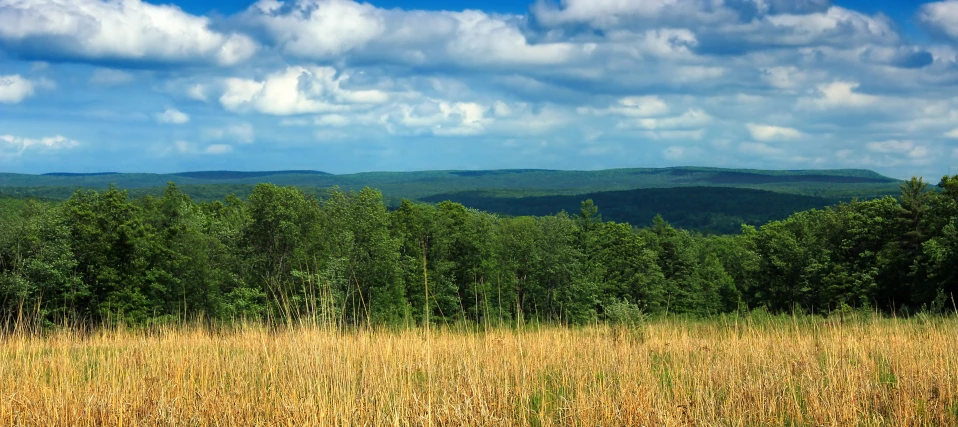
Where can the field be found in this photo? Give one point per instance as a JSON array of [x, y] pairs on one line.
[[734, 372]]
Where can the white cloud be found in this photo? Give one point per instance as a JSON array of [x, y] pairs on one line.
[[450, 119], [941, 16], [318, 28], [331, 29], [14, 89], [183, 147], [632, 106], [218, 149], [891, 146], [783, 77], [197, 92], [15, 146], [743, 23], [240, 132], [447, 119], [526, 120], [771, 133], [692, 74], [691, 119], [125, 30], [110, 77], [590, 72], [909, 149], [683, 135], [294, 122], [172, 116], [187, 147], [919, 152], [665, 43], [297, 90], [841, 94], [482, 39], [805, 29], [606, 13], [332, 120]]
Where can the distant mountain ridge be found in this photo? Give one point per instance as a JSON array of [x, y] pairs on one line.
[[712, 209], [80, 173], [706, 199], [838, 183], [242, 175]]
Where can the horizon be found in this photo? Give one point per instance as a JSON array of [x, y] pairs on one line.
[[349, 87], [313, 171]]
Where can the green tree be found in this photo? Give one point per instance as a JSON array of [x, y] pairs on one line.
[[37, 278], [111, 246]]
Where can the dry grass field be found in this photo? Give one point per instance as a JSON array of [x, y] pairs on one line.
[[812, 372]]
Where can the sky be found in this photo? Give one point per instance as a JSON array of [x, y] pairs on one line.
[[390, 85]]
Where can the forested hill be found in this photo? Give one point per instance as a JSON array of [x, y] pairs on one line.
[[281, 254], [415, 185], [720, 210]]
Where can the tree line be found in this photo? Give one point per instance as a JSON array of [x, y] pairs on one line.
[[344, 258]]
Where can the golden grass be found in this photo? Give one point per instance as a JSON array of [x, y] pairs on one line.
[[875, 372]]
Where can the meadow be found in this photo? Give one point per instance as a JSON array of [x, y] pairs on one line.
[[729, 371]]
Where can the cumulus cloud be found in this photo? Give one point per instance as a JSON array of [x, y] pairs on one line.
[[941, 17], [747, 23], [189, 148], [442, 118], [318, 29], [197, 92], [908, 148], [784, 77], [771, 133], [331, 29], [115, 30], [218, 149], [691, 119], [584, 75], [840, 94], [607, 14], [14, 89], [240, 132], [632, 106], [297, 90], [172, 116], [16, 146]]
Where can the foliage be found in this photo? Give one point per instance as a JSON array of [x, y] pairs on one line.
[[342, 258]]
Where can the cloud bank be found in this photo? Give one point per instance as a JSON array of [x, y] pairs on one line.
[[566, 84]]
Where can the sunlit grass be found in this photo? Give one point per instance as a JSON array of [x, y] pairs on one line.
[[722, 372]]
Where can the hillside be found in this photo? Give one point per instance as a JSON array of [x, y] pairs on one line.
[[529, 182], [717, 210], [704, 199]]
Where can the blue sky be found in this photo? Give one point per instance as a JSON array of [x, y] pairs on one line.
[[344, 86]]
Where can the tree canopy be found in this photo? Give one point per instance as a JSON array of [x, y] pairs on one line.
[[343, 258]]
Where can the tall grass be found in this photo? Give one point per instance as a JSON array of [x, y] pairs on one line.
[[732, 371]]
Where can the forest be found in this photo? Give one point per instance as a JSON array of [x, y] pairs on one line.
[[104, 257], [710, 210]]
